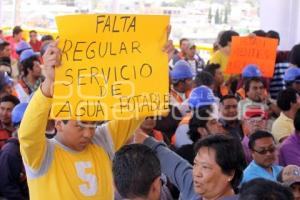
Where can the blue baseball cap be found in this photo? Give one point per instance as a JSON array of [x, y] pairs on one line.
[[181, 70], [28, 53], [251, 71], [21, 46], [18, 112], [292, 74], [201, 96]]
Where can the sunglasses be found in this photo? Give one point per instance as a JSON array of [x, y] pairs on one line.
[[265, 151]]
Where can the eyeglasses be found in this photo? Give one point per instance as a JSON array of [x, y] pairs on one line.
[[264, 151]]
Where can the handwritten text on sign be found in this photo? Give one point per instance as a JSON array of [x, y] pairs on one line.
[[252, 50], [113, 67]]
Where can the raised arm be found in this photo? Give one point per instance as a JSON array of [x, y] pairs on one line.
[[178, 170], [33, 144]]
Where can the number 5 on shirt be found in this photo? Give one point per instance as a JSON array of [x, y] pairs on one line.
[[89, 188]]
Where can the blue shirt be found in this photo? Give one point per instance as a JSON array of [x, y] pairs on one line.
[[255, 171]]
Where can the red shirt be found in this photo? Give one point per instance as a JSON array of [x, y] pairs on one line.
[[13, 45], [5, 134], [36, 46]]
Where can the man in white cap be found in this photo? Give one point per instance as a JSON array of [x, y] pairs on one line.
[[290, 176]]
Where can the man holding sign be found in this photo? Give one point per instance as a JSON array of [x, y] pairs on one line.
[[76, 164]]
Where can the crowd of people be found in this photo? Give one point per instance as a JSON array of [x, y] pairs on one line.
[[226, 136]]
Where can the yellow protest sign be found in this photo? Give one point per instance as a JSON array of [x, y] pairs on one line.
[[113, 67], [252, 50]]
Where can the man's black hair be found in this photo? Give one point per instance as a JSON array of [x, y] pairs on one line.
[[212, 68], [135, 167], [10, 98], [28, 64], [204, 78], [273, 34], [260, 33], [249, 81], [3, 45], [46, 37], [297, 121], [228, 96], [263, 189], [32, 31], [199, 119], [5, 61], [182, 40], [258, 135], [225, 37], [285, 98], [294, 56], [17, 30]]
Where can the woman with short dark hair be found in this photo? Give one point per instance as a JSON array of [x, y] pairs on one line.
[[217, 172], [218, 167]]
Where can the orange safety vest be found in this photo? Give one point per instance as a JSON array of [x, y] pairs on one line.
[[241, 92], [178, 97], [158, 135], [224, 90]]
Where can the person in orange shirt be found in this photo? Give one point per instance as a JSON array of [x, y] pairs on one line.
[[250, 71], [219, 88], [182, 82], [200, 97], [203, 121], [202, 79], [148, 127]]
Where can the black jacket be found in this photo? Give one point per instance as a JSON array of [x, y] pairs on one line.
[[13, 184]]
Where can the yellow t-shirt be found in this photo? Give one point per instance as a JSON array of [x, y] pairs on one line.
[[282, 127], [56, 172], [220, 58]]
